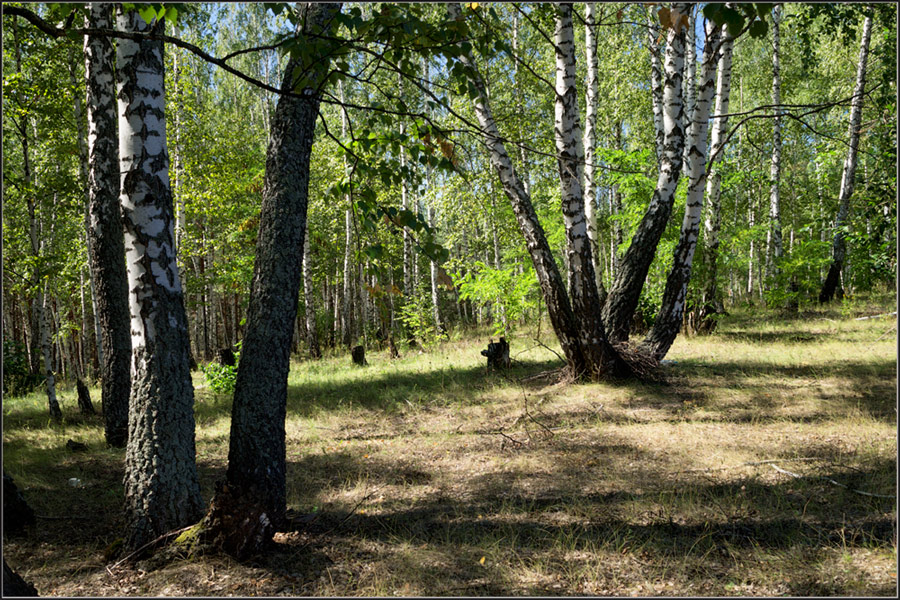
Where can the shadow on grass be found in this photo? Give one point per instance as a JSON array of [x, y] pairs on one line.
[[704, 525]]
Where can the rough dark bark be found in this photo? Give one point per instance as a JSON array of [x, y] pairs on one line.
[[105, 233], [832, 285], [618, 310], [162, 490], [358, 353], [84, 398], [17, 514], [256, 458], [14, 585]]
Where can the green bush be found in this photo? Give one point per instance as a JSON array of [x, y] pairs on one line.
[[17, 381], [221, 378]]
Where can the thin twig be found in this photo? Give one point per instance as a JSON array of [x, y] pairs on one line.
[[540, 343], [876, 316], [152, 542], [832, 481], [750, 464]]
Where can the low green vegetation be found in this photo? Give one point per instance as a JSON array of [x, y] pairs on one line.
[[763, 462]]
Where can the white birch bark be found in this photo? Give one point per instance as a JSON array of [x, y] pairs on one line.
[[668, 319], [656, 83], [599, 355], [590, 141], [690, 82], [774, 245], [552, 286], [162, 490], [832, 283], [622, 300], [711, 301]]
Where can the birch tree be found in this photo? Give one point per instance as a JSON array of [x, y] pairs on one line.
[[712, 303], [590, 141], [625, 291], [774, 245], [106, 245], [162, 490], [668, 319], [251, 504], [832, 285]]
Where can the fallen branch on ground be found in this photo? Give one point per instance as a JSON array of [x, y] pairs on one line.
[[751, 464], [832, 481], [876, 316]]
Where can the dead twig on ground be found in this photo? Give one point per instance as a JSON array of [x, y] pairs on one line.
[[831, 481], [161, 538], [890, 314]]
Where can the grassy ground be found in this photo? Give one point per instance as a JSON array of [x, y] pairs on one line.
[[427, 476]]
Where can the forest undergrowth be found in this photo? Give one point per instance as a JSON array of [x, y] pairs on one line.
[[763, 463]]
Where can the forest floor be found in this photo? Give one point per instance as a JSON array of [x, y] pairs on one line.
[[748, 471]]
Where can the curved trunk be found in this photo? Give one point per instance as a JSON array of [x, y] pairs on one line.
[[255, 479], [162, 490], [549, 278], [105, 234], [832, 283], [622, 300], [668, 320]]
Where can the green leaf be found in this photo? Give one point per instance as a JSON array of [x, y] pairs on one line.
[[758, 29], [147, 12]]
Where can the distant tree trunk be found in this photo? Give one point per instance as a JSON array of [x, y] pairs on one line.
[[162, 490], [107, 242], [254, 489], [309, 298], [346, 306], [669, 318], [618, 311], [774, 245], [712, 302], [832, 283], [590, 141]]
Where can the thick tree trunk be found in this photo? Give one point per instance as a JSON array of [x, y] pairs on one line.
[[600, 356], [552, 286], [255, 480], [668, 319], [774, 245], [105, 232], [14, 585], [712, 302], [162, 490], [832, 283], [590, 141], [618, 310]]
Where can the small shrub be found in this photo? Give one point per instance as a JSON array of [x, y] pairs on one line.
[[221, 378], [17, 380]]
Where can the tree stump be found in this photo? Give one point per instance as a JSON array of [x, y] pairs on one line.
[[359, 356], [14, 585], [497, 355], [394, 352], [225, 356], [84, 398], [16, 512]]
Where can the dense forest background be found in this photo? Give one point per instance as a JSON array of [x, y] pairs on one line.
[[362, 272]]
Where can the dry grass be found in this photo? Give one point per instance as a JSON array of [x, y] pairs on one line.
[[428, 476]]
